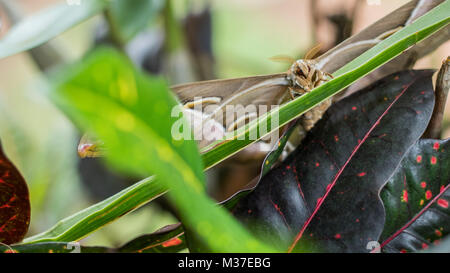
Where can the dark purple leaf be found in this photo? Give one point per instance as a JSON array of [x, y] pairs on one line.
[[268, 163], [14, 203], [417, 199], [169, 239], [326, 193]]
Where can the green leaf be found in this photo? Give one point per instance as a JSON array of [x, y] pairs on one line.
[[131, 17], [81, 224], [268, 163], [14, 202], [131, 113], [416, 199], [378, 55], [47, 24]]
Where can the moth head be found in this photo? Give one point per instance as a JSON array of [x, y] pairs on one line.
[[304, 76]]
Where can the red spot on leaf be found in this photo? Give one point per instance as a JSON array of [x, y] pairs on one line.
[[423, 184], [403, 251], [361, 174], [419, 159], [424, 246], [436, 146], [433, 160], [317, 164], [428, 194], [172, 242], [438, 232], [443, 203], [442, 188], [337, 236], [336, 138], [405, 196], [354, 108]]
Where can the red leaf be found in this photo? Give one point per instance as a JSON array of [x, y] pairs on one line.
[[14, 203]]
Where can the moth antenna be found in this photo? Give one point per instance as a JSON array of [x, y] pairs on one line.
[[291, 93], [282, 59], [312, 52]]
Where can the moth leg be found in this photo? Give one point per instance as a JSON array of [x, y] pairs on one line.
[[291, 93]]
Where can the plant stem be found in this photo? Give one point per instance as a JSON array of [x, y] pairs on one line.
[[113, 31], [442, 87]]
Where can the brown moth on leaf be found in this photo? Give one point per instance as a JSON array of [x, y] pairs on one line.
[[205, 102]]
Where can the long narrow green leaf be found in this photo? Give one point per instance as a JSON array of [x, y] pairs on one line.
[[361, 66], [92, 218], [47, 24]]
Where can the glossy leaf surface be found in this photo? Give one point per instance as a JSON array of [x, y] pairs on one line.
[[417, 199], [325, 194], [14, 202]]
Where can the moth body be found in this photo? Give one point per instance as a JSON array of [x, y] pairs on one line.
[[304, 76]]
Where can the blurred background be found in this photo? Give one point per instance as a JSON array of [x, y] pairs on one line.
[[205, 40]]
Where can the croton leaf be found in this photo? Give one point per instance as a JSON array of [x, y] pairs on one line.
[[326, 193], [269, 162], [14, 202], [169, 239], [417, 198]]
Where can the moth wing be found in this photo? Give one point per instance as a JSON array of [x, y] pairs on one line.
[[208, 102], [354, 46]]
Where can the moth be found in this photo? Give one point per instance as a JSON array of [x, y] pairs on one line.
[[271, 90], [267, 90]]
